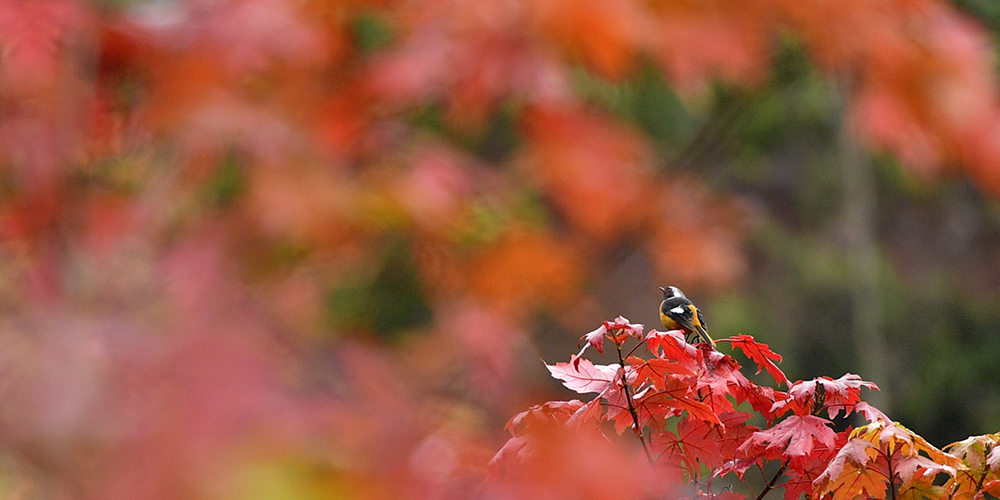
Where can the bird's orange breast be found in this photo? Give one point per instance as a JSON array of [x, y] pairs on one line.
[[669, 322]]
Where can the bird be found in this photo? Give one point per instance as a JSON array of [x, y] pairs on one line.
[[677, 312]]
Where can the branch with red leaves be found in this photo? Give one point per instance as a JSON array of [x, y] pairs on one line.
[[686, 406]]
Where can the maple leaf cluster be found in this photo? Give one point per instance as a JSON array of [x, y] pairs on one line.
[[700, 422]]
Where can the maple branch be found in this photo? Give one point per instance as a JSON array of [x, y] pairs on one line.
[[892, 478], [770, 484], [982, 479], [631, 406], [819, 403]]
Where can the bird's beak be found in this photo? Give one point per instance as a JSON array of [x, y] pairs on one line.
[[664, 290]]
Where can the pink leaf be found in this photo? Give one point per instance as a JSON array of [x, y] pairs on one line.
[[622, 323], [584, 376], [596, 339], [796, 434], [871, 413]]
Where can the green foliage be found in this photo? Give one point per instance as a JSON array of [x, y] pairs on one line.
[[372, 32], [227, 183], [387, 302]]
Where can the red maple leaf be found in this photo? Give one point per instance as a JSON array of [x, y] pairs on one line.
[[595, 338], [618, 409], [871, 413], [797, 436], [587, 415], [558, 411], [671, 345], [669, 451], [534, 419], [618, 330], [738, 465], [920, 467], [686, 448], [622, 323], [761, 354], [801, 395], [843, 393], [583, 376], [762, 399], [714, 445], [802, 473], [657, 371], [721, 379], [669, 402]]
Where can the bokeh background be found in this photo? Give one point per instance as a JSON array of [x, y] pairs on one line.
[[319, 249]]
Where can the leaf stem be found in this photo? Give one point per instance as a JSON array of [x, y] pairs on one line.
[[770, 484], [982, 479], [632, 351], [892, 477], [631, 406]]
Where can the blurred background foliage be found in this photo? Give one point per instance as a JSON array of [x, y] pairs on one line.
[[315, 249]]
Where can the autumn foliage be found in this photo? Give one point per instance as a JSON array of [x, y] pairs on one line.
[[277, 248], [703, 427]]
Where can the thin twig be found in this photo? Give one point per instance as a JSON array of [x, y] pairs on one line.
[[982, 479], [631, 407], [770, 484], [632, 351], [892, 478]]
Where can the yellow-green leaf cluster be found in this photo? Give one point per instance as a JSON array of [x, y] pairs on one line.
[[981, 457], [887, 460]]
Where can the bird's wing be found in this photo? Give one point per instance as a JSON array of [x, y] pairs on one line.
[[681, 314]]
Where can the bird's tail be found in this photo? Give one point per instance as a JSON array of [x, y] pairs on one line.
[[704, 335]]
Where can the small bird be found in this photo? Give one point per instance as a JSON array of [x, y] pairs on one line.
[[679, 313]]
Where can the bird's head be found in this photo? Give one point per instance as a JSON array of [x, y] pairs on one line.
[[672, 291]]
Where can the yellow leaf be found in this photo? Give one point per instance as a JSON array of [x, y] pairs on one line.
[[923, 491], [856, 481]]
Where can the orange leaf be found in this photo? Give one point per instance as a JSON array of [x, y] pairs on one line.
[[856, 481], [599, 184], [524, 270]]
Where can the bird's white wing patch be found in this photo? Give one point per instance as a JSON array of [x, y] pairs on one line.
[[678, 310]]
